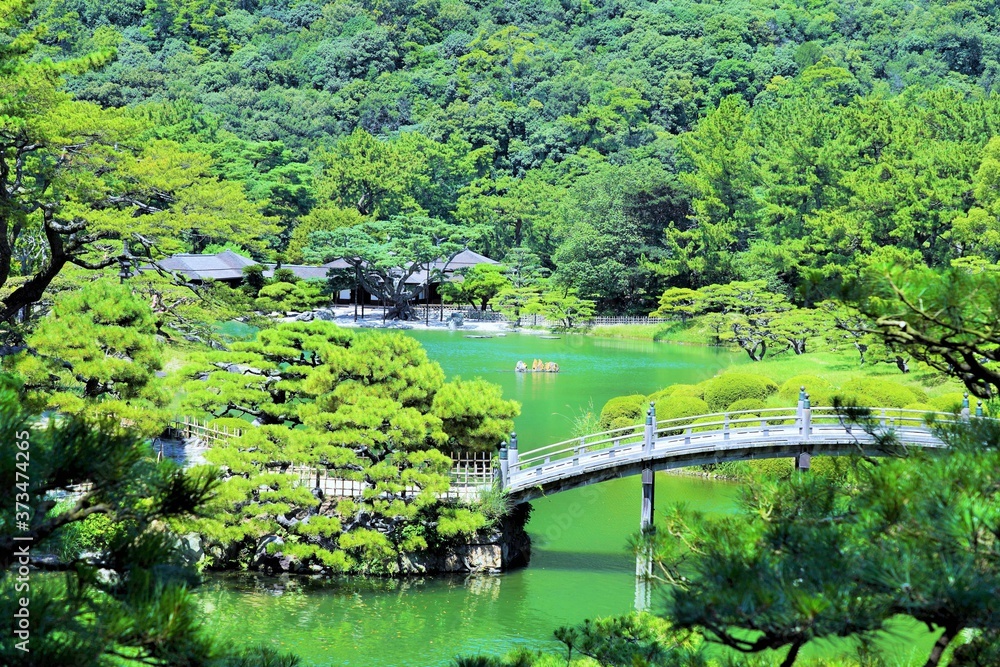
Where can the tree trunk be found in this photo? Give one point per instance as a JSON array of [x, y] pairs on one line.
[[793, 653]]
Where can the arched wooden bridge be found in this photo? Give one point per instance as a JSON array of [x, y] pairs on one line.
[[797, 432]]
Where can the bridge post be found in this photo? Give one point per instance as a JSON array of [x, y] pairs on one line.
[[725, 426], [504, 470], [802, 400], [806, 422], [512, 451], [802, 462], [979, 408], [648, 436], [965, 406]]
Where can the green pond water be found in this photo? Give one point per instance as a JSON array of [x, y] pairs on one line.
[[580, 565]]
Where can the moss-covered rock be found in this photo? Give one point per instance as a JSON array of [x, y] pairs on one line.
[[725, 390]]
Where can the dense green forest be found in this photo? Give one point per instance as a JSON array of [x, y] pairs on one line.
[[631, 146]]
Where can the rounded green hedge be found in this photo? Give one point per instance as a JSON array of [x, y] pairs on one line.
[[747, 404], [725, 390], [950, 402], [695, 390], [820, 391], [885, 393], [852, 398], [632, 408], [678, 407]]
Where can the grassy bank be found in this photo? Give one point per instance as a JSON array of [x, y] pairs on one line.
[[693, 332], [835, 367]]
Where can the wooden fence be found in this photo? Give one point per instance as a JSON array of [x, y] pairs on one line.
[[627, 319], [471, 473], [190, 427]]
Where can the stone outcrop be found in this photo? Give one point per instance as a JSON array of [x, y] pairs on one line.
[[537, 366], [505, 547]]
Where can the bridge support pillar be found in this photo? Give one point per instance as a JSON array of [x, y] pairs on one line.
[[646, 517], [644, 556]]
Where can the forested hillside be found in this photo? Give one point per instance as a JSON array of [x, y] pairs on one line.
[[632, 146]]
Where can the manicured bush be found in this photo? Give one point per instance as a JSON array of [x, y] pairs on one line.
[[631, 408], [749, 470], [820, 391], [695, 390], [623, 422], [853, 398], [884, 393], [780, 468], [747, 404], [680, 406], [714, 421], [725, 390], [677, 407], [949, 402]]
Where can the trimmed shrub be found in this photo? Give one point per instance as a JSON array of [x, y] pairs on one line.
[[726, 389], [677, 407], [705, 420], [853, 398], [631, 408], [820, 391], [884, 393], [680, 406], [622, 422], [696, 390], [747, 404], [780, 468], [749, 470], [949, 402]]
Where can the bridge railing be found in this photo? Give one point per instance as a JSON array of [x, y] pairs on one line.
[[763, 423], [626, 436]]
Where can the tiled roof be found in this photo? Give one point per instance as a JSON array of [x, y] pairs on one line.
[[301, 270], [226, 265]]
